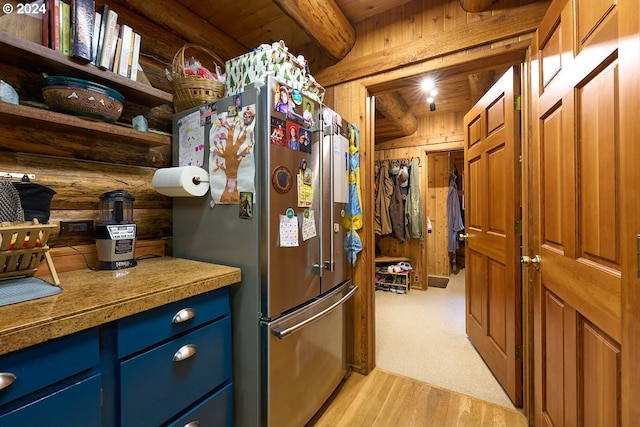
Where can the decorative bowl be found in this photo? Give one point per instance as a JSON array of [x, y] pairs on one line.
[[82, 98]]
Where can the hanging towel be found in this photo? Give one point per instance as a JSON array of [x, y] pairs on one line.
[[413, 206], [454, 218], [352, 220]]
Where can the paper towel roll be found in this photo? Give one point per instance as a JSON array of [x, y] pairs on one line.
[[183, 181]]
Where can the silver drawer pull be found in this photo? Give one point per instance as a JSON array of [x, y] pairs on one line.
[[193, 424], [6, 379], [185, 352], [184, 315]]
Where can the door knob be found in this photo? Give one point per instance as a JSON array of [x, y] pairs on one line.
[[463, 237], [535, 261]]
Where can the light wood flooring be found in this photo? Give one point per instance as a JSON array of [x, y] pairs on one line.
[[385, 399]]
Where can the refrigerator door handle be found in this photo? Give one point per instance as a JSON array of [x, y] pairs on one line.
[[282, 333], [331, 261]]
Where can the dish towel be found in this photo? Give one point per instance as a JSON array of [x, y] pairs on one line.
[[353, 210], [24, 289]]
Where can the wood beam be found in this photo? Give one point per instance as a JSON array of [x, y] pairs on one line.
[[176, 18], [443, 143], [476, 5], [479, 83], [324, 22], [394, 108], [500, 27]]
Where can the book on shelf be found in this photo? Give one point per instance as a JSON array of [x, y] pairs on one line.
[[82, 24], [65, 28], [104, 13], [109, 40], [114, 44], [126, 36], [95, 39], [54, 26], [45, 24], [135, 57], [116, 56]]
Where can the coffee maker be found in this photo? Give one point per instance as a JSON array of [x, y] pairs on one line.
[[115, 231]]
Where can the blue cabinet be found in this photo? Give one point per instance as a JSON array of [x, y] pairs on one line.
[[167, 366], [57, 383], [189, 360]]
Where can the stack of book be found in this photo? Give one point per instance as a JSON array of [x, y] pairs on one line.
[[77, 29]]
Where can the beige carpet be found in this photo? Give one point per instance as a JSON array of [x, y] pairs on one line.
[[421, 335]]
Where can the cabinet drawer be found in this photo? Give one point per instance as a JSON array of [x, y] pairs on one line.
[[154, 388], [44, 364], [75, 406], [140, 331], [216, 411]]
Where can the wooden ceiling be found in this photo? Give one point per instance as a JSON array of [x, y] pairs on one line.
[[251, 23]]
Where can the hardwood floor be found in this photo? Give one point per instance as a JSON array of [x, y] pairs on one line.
[[388, 400]]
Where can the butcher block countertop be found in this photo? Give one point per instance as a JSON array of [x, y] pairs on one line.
[[92, 298]]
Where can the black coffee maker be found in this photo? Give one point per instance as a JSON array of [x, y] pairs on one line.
[[115, 231]]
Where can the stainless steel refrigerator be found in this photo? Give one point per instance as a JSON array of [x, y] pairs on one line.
[[275, 210]]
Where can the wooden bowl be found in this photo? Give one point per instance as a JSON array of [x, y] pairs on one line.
[[82, 98]]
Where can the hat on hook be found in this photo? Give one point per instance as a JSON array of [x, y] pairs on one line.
[[403, 177]]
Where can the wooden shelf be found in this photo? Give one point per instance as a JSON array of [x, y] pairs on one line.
[[26, 54], [20, 115]]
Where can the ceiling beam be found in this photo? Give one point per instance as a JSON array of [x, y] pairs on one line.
[[394, 108], [480, 82], [178, 19], [500, 27], [324, 22], [476, 5]]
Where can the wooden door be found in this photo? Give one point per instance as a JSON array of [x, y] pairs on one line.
[[492, 212], [576, 218]]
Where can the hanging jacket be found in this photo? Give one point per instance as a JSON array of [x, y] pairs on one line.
[[454, 218], [396, 211], [382, 225], [413, 206]]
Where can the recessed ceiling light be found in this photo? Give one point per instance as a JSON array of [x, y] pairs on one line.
[[427, 85], [433, 92], [430, 99]]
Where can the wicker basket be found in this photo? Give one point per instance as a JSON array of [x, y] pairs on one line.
[[193, 91], [23, 246]]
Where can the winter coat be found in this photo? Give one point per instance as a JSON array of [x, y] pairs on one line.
[[382, 225]]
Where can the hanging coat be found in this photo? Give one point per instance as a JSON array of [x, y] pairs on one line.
[[382, 225], [454, 218], [396, 211], [413, 206], [352, 220]]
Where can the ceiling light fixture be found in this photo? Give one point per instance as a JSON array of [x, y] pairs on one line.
[[430, 100], [432, 106], [427, 85]]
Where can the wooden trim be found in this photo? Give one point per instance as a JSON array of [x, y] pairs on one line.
[[629, 63]]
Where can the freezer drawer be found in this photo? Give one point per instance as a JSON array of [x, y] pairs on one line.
[[305, 359]]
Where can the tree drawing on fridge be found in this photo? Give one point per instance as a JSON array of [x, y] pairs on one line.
[[231, 164]]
